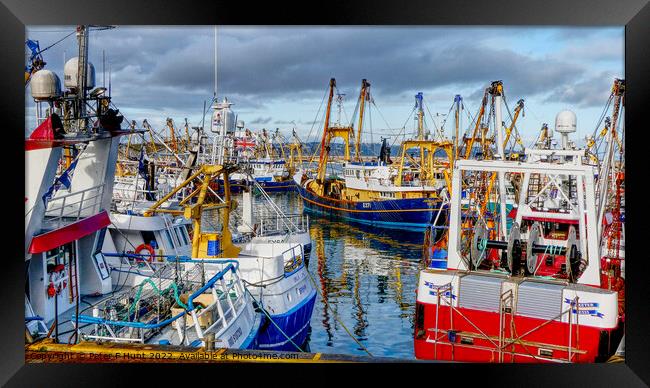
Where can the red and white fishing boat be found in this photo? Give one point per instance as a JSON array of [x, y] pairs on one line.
[[530, 292], [66, 216]]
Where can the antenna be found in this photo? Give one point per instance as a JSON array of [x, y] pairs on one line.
[[103, 67], [109, 78], [215, 61]]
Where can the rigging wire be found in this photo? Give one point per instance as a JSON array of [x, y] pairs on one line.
[[55, 43], [403, 129]]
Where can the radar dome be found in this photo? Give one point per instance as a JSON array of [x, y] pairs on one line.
[[565, 122], [45, 84], [70, 71]]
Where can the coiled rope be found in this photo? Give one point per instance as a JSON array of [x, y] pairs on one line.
[[157, 290]]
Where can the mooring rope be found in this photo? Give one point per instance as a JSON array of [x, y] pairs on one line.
[[273, 322], [337, 318]]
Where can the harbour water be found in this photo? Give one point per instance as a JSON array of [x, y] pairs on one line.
[[366, 279]]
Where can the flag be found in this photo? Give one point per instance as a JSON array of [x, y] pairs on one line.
[[65, 180], [244, 143], [142, 170], [33, 46]]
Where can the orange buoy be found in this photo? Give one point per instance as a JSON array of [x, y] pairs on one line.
[[146, 247]]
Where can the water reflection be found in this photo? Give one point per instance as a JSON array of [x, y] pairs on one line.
[[367, 277]]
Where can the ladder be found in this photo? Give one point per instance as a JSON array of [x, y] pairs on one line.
[[72, 276], [506, 308], [534, 186]]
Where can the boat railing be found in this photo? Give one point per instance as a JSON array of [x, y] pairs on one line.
[[74, 206], [282, 223], [210, 309], [142, 263], [217, 317], [132, 195], [293, 259]]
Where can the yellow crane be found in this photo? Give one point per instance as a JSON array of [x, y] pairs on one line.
[[172, 134], [470, 142], [518, 109], [203, 243]]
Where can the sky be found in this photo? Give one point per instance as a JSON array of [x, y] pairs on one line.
[[277, 77]]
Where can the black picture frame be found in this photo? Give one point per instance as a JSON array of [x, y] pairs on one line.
[[633, 14]]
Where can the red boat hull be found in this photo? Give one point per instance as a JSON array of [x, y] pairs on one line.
[[539, 340]]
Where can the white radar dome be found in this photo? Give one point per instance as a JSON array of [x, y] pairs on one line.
[[70, 71], [565, 122], [45, 84]]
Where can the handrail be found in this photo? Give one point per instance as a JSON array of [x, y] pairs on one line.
[[74, 209], [208, 284], [294, 261], [141, 325]]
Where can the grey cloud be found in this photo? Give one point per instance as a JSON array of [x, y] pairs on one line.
[[262, 120], [591, 92], [158, 70]]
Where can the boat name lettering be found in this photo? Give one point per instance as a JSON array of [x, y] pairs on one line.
[[588, 308], [234, 337], [434, 288]]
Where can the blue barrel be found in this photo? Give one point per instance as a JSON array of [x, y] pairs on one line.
[[439, 259], [213, 247]]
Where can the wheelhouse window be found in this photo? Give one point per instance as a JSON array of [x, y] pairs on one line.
[[182, 238], [169, 238]]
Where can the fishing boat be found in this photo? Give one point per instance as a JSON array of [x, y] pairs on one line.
[[268, 167], [69, 168], [274, 272], [255, 153], [533, 291], [71, 160], [378, 192]]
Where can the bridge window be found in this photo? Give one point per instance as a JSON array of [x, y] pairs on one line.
[[170, 241]]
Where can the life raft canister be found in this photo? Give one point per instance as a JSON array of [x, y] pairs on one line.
[[148, 248]]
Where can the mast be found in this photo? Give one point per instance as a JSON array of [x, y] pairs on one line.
[[362, 99], [187, 135], [457, 101], [323, 153], [82, 66], [470, 145], [418, 105], [423, 160], [497, 93], [215, 62], [618, 91]]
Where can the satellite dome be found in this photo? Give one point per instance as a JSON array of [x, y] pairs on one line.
[[565, 122], [45, 84], [70, 71]]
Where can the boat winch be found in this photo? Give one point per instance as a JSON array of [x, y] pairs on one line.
[[515, 249]]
